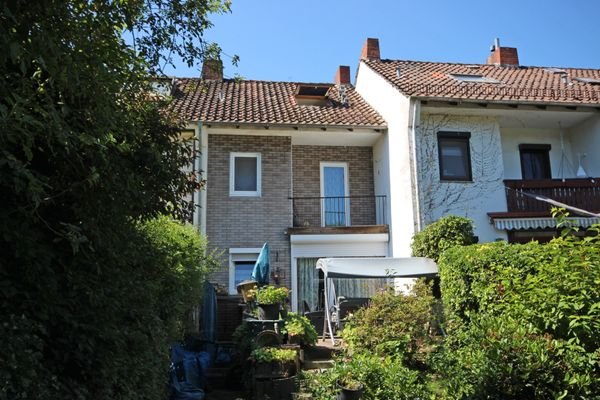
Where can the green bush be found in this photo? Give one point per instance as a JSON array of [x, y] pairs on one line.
[[102, 330], [394, 325], [441, 235], [383, 378], [300, 327], [524, 319]]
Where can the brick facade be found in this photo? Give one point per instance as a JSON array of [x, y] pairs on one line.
[[307, 181], [248, 222]]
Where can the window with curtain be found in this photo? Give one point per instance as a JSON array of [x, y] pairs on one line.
[[310, 284], [535, 161]]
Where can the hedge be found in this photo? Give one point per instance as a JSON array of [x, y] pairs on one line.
[[524, 320]]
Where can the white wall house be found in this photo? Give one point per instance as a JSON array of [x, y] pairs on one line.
[[470, 139]]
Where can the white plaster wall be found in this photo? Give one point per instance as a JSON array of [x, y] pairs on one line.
[[381, 172], [470, 199], [512, 137], [585, 139], [396, 151]]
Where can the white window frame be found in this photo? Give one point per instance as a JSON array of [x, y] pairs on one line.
[[240, 254], [240, 193], [324, 164]]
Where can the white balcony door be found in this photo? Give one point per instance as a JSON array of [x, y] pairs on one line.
[[335, 204]]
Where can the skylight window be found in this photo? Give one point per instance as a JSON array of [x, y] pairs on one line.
[[555, 71], [312, 95], [591, 81], [473, 78], [312, 90]]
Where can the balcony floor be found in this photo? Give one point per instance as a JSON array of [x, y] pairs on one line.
[[337, 230]]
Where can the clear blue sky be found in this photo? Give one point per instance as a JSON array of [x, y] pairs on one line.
[[305, 40]]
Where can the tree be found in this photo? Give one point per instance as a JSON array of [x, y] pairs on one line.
[[86, 156]]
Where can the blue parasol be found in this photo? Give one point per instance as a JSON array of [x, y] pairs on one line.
[[260, 273]]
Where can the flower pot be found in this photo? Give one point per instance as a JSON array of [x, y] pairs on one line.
[[349, 394], [268, 311], [244, 289]]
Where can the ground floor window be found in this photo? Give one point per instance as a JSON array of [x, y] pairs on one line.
[[241, 264]]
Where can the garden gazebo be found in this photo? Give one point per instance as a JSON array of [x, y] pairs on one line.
[[369, 268]]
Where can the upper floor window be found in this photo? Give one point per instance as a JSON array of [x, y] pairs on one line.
[[244, 174], [535, 161], [454, 156]]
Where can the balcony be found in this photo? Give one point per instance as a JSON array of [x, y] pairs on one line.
[[342, 214], [524, 211], [580, 193]]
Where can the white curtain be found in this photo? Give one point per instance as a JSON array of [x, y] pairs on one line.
[[308, 284]]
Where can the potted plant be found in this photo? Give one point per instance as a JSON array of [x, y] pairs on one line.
[[350, 388], [274, 362], [269, 300], [299, 330]]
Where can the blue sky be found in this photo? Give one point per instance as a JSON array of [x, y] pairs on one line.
[[305, 40]]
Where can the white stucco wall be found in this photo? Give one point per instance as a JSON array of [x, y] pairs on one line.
[[512, 137], [585, 139], [470, 199], [395, 151]]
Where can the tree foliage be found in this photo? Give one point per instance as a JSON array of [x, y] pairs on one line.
[[86, 155], [441, 235]]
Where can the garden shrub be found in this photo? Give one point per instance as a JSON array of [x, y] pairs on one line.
[[441, 235], [393, 325], [524, 319], [102, 329], [383, 378]]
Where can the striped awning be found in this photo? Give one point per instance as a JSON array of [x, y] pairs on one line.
[[512, 224]]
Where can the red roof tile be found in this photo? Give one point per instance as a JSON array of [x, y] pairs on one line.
[[266, 102], [516, 83]]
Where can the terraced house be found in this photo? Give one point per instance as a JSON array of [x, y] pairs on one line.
[[332, 170], [483, 140], [290, 164]]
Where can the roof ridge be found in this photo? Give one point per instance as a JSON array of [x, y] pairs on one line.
[[390, 60], [233, 80]]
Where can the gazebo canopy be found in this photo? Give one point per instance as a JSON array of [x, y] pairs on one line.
[[361, 268], [408, 267]]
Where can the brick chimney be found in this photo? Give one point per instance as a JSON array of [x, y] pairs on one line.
[[370, 50], [342, 75], [212, 70], [503, 55]]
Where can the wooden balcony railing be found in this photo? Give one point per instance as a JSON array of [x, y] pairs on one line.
[[580, 193]]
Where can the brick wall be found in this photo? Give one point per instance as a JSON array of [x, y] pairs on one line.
[[234, 222], [307, 181]]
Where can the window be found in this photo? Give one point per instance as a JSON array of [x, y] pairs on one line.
[[241, 264], [335, 204], [455, 156], [535, 161], [244, 174]]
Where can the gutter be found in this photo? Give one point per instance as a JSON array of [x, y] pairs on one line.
[[414, 120], [202, 165]]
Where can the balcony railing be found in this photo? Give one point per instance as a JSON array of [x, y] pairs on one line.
[[580, 193], [339, 211]]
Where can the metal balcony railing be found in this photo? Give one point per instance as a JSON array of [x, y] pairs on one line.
[[339, 211]]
